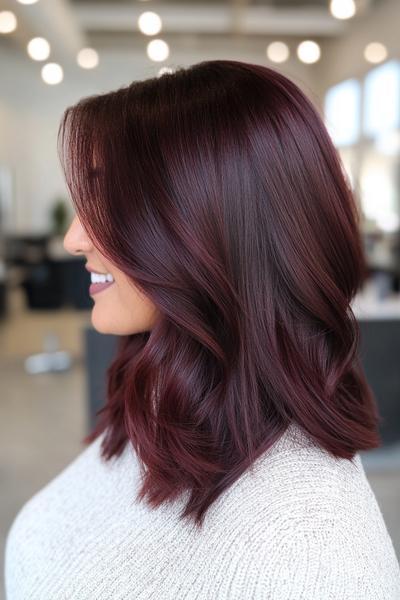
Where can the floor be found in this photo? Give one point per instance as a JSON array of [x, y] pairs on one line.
[[43, 417]]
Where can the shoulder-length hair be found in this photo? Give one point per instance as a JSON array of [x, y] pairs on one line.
[[218, 191]]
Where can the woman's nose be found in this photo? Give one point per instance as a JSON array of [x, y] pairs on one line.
[[76, 240]]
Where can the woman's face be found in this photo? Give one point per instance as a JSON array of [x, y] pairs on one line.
[[119, 308]]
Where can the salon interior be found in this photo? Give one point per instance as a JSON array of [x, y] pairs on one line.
[[345, 54]]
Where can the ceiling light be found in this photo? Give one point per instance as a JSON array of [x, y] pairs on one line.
[[342, 9], [52, 73], [157, 50], [149, 23], [8, 21], [277, 52], [375, 52], [164, 70], [88, 58], [38, 48], [308, 51], [27, 1]]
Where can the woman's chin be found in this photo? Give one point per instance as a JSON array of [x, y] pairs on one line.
[[101, 325]]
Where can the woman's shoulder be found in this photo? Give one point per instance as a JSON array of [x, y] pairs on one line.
[[311, 523], [297, 463], [299, 480]]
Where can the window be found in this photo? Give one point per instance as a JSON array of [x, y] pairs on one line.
[[342, 112]]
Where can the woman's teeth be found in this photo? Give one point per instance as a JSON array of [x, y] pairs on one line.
[[100, 278]]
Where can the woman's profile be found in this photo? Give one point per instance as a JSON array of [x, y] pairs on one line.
[[223, 238]]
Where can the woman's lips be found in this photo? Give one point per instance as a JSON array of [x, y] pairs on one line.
[[99, 287]]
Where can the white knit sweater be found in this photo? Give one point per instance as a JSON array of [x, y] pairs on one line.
[[300, 525]]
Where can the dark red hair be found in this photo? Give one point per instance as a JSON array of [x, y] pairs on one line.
[[218, 191]]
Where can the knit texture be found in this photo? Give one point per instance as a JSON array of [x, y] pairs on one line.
[[299, 525]]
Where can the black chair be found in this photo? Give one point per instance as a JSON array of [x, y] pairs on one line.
[[43, 286], [380, 357], [99, 352], [52, 284], [75, 282]]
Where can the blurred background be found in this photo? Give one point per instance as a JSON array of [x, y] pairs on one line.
[[345, 54]]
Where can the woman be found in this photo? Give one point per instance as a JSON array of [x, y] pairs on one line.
[[224, 464]]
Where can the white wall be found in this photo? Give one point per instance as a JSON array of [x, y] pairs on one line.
[[27, 147]]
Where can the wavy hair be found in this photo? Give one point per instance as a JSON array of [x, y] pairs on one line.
[[218, 191]]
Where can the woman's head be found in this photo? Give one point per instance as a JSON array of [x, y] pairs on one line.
[[119, 306], [217, 192]]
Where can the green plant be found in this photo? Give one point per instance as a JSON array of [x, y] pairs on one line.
[[59, 216]]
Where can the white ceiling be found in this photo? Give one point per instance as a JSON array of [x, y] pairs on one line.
[[71, 24]]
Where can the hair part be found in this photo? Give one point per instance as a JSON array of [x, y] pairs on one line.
[[218, 191]]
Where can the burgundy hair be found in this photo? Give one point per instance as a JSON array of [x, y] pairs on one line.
[[218, 191]]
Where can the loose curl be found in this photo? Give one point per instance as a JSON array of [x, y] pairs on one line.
[[218, 191]]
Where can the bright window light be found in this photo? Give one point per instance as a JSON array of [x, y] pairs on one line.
[[382, 99], [388, 143], [342, 112], [378, 194]]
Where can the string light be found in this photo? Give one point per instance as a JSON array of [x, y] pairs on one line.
[[149, 23], [88, 58], [38, 48], [308, 51], [52, 73], [277, 52], [157, 50], [8, 21], [342, 9], [375, 52]]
